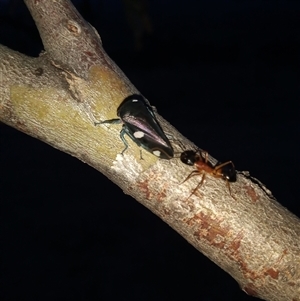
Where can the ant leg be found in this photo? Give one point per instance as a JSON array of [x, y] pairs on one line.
[[198, 186], [228, 185], [224, 164], [192, 174], [205, 156], [218, 173]]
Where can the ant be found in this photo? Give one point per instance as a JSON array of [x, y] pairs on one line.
[[199, 159]]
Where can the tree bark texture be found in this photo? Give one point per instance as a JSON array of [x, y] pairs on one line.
[[58, 96]]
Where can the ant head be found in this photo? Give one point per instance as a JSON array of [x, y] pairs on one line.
[[229, 172], [189, 157]]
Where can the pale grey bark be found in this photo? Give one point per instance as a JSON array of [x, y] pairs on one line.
[[58, 96]]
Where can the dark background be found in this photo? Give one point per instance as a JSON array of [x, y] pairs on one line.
[[226, 74]]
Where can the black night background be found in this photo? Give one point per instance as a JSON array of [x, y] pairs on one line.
[[226, 75]]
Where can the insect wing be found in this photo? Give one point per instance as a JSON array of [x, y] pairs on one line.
[[143, 128]]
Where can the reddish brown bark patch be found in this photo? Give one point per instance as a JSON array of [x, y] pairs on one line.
[[272, 272], [249, 289], [251, 193]]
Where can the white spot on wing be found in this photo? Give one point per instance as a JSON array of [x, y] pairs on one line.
[[138, 134], [135, 100], [157, 153]]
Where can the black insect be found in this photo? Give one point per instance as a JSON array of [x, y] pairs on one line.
[[199, 159], [141, 125]]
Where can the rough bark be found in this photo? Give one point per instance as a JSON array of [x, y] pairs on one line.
[[58, 96]]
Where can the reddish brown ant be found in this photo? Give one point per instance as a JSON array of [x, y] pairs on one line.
[[199, 159]]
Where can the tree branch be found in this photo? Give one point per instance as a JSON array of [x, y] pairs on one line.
[[58, 96]]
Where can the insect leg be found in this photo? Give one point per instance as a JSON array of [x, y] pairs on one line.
[[223, 164], [192, 174], [122, 133], [110, 121], [141, 155], [205, 156], [227, 179], [228, 185], [198, 185]]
